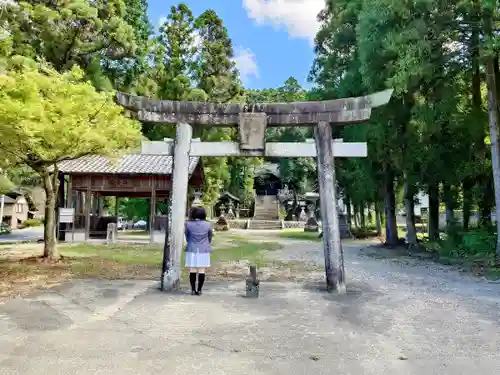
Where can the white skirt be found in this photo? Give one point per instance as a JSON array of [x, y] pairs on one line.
[[197, 260]]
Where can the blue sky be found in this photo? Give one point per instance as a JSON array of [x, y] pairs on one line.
[[272, 38]]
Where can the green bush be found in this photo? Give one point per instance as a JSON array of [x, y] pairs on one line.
[[476, 243], [31, 223], [4, 228]]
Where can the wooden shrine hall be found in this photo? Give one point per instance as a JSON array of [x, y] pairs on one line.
[[86, 180]]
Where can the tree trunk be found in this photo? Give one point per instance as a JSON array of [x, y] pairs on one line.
[[362, 215], [50, 185], [495, 149], [467, 186], [348, 209], [477, 107], [433, 192], [409, 199], [449, 201], [378, 219], [391, 234], [355, 209], [487, 200]]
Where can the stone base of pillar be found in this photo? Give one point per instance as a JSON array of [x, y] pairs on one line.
[[171, 280]]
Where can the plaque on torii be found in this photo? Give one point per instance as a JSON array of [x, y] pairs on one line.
[[252, 121]]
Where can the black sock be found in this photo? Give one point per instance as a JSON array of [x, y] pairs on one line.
[[201, 280], [192, 280]]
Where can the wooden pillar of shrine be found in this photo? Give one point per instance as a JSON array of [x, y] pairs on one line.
[[100, 205], [117, 207], [69, 192], [88, 207], [78, 202], [60, 204], [69, 204], [152, 210]]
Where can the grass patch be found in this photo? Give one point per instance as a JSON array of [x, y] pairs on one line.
[[300, 235], [133, 232], [244, 251], [22, 270]]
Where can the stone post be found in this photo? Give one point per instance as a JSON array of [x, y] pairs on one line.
[[111, 233], [334, 258], [302, 215], [230, 212], [252, 283], [174, 238]]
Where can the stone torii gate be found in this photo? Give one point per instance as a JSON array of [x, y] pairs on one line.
[[252, 122]]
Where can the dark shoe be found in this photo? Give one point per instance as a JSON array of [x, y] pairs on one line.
[[198, 293], [193, 292]]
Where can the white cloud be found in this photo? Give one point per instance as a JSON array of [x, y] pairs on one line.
[[246, 63], [298, 17], [244, 58], [161, 21]]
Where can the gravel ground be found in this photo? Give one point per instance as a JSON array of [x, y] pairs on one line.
[[398, 317], [431, 307]]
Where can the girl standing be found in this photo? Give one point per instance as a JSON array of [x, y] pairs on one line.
[[198, 233]]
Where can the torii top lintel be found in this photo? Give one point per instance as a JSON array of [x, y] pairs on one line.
[[346, 110]]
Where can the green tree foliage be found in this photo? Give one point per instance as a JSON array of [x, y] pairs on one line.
[[47, 117], [298, 173], [105, 38], [193, 61], [431, 137]]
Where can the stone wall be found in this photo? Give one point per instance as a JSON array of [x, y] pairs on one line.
[[294, 224], [234, 224], [242, 224]]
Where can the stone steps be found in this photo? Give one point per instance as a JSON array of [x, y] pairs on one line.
[[266, 216], [264, 224], [266, 208]]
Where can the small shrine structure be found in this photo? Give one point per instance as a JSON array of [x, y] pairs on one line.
[[85, 181]]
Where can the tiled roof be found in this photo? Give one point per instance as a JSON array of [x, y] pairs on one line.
[[127, 164]]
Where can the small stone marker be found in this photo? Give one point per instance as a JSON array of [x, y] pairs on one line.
[[252, 283], [111, 233]]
